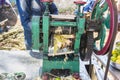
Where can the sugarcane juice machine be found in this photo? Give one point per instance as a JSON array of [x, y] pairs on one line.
[[73, 37]]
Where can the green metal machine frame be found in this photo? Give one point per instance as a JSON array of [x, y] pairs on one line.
[[41, 28], [48, 65]]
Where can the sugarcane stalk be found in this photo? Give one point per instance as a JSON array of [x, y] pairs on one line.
[[3, 22], [9, 34]]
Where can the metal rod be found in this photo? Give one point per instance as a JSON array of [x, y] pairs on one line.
[[62, 53], [110, 51], [107, 67], [90, 67], [62, 23]]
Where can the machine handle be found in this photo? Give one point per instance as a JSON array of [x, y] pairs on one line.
[[80, 2], [46, 0]]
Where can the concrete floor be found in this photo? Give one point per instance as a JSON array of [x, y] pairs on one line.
[[31, 65], [20, 61]]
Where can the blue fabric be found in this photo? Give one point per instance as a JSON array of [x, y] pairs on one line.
[[28, 8], [1, 30], [89, 5], [2, 2]]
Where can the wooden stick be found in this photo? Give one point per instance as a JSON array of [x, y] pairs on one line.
[[52, 75]]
